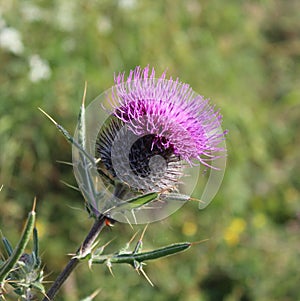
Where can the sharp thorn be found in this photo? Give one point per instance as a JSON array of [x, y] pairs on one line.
[[110, 268], [143, 233], [65, 162], [90, 263], [47, 115], [69, 185], [132, 238], [84, 93], [128, 221], [146, 276], [196, 200], [199, 242], [34, 205], [95, 293]]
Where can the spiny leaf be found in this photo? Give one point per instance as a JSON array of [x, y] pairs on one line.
[[130, 258], [69, 138], [20, 248]]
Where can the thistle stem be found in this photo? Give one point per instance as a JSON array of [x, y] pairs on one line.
[[82, 251]]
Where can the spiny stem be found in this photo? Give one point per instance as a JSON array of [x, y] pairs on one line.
[[83, 250]]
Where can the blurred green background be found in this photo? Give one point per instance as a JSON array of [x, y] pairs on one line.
[[244, 55]]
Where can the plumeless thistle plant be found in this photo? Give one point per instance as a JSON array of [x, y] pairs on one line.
[[137, 153]]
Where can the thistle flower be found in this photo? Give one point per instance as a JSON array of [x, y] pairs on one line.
[[175, 116], [168, 120], [155, 130]]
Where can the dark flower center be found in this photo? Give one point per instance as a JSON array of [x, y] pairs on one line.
[[146, 148], [151, 163]]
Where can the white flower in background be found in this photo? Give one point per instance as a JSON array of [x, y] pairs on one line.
[[127, 4], [65, 15], [39, 69], [104, 25], [11, 40], [31, 12]]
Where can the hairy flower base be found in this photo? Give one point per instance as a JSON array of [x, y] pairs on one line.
[[151, 166]]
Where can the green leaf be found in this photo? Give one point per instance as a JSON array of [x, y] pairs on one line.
[[20, 248], [131, 257], [134, 203]]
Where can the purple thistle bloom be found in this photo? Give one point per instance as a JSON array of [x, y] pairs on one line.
[[170, 124], [171, 111], [146, 134]]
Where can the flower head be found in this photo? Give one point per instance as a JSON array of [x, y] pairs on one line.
[[160, 123], [150, 138], [170, 111]]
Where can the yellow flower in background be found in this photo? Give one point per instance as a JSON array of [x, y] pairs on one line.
[[233, 232], [189, 228]]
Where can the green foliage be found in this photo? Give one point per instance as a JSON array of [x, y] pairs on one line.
[[15, 255], [20, 270], [244, 55]]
